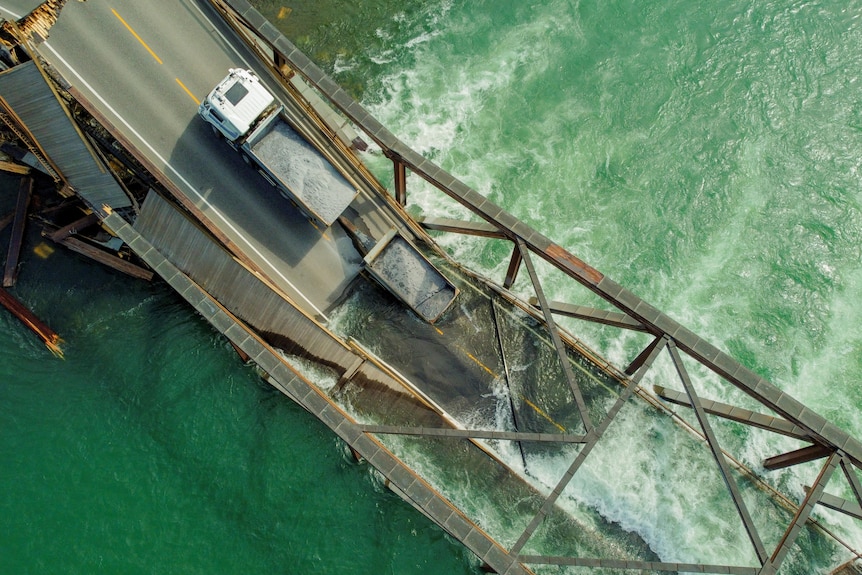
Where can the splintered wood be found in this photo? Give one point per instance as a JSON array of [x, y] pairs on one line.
[[37, 326], [34, 25]]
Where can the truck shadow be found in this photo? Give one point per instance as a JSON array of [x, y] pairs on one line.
[[262, 224]]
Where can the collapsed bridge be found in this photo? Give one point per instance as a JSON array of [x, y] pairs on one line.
[[425, 403]]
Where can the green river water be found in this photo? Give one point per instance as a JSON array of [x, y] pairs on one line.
[[706, 155]]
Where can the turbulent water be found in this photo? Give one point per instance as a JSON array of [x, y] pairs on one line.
[[705, 155]]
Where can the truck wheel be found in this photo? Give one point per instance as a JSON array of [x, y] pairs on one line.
[[246, 159], [217, 132]]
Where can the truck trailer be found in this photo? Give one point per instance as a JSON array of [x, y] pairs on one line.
[[242, 111]]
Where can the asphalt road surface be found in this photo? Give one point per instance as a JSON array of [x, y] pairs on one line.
[[146, 66]]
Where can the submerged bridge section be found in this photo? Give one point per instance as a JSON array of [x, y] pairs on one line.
[[30, 107], [421, 402]]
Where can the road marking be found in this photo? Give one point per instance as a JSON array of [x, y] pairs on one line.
[[135, 34], [15, 16], [179, 176], [189, 187], [482, 365], [314, 225], [187, 91], [543, 414]]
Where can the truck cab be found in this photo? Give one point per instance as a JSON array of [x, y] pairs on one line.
[[235, 103]]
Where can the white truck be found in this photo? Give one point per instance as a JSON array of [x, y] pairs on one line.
[[246, 114]]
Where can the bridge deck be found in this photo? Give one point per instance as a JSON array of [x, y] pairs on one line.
[[404, 393], [26, 95]]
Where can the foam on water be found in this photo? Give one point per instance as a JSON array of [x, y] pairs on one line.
[[706, 157]]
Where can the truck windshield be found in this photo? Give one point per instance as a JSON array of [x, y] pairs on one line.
[[236, 93]]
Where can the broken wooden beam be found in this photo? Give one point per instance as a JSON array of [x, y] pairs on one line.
[[28, 318], [75, 227], [34, 26], [107, 259], [11, 273], [14, 168]]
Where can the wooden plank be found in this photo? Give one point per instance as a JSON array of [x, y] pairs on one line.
[[28, 318], [14, 168], [11, 273], [104, 257], [73, 228]]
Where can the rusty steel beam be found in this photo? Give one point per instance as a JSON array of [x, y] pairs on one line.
[[852, 479], [733, 413], [717, 454], [592, 439], [400, 182], [106, 258], [514, 267], [802, 514], [555, 338], [29, 319], [482, 229], [640, 361], [611, 318], [80, 224], [796, 457]]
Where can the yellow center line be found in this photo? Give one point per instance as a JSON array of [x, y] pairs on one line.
[[480, 364], [543, 414], [440, 331], [189, 92], [135, 34]]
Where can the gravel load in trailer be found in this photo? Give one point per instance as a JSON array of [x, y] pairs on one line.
[[299, 167], [400, 268], [242, 111]]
